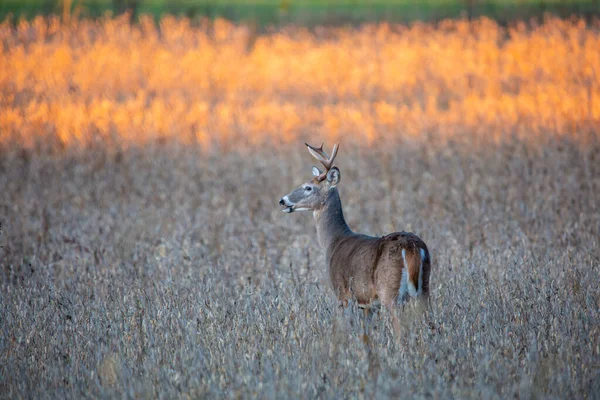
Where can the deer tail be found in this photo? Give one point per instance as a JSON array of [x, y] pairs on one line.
[[413, 269]]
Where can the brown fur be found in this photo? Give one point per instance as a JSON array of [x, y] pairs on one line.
[[362, 267], [369, 268]]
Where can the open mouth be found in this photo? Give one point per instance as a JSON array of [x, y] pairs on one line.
[[286, 205]]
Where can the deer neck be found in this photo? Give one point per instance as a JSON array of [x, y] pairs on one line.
[[330, 220]]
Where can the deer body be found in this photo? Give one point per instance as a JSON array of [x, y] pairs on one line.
[[368, 269]]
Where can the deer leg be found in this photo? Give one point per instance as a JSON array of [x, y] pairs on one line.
[[366, 312], [348, 310], [427, 310], [392, 307]]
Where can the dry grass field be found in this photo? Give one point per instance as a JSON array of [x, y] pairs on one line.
[[143, 254]]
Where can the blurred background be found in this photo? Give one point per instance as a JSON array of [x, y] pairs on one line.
[[309, 12], [224, 72], [144, 145]]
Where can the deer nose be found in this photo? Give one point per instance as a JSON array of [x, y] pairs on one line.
[[281, 202]]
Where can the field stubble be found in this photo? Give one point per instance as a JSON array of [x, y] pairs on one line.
[[144, 255]]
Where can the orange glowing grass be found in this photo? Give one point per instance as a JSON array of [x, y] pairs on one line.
[[219, 83]]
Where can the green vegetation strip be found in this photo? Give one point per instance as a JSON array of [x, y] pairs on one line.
[[265, 12]]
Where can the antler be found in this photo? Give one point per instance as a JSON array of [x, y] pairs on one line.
[[319, 154]]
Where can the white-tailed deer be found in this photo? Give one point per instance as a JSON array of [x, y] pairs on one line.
[[387, 269]]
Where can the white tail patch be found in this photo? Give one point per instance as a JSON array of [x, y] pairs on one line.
[[403, 291], [423, 256]]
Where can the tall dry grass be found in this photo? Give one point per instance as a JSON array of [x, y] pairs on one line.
[[139, 259]]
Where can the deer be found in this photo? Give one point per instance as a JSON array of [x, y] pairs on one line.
[[370, 270]]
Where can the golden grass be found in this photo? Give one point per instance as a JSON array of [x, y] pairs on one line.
[[225, 85]]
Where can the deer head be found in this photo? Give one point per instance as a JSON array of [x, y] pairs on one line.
[[312, 195]]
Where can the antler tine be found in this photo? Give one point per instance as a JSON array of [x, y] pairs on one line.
[[319, 154], [333, 155]]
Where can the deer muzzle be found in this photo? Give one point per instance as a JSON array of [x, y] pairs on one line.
[[286, 205]]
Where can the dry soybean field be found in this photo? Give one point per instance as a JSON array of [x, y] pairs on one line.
[[143, 253]]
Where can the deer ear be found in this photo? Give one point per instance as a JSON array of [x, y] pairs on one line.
[[333, 176], [315, 171]]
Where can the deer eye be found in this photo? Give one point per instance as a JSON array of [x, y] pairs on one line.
[[307, 188]]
